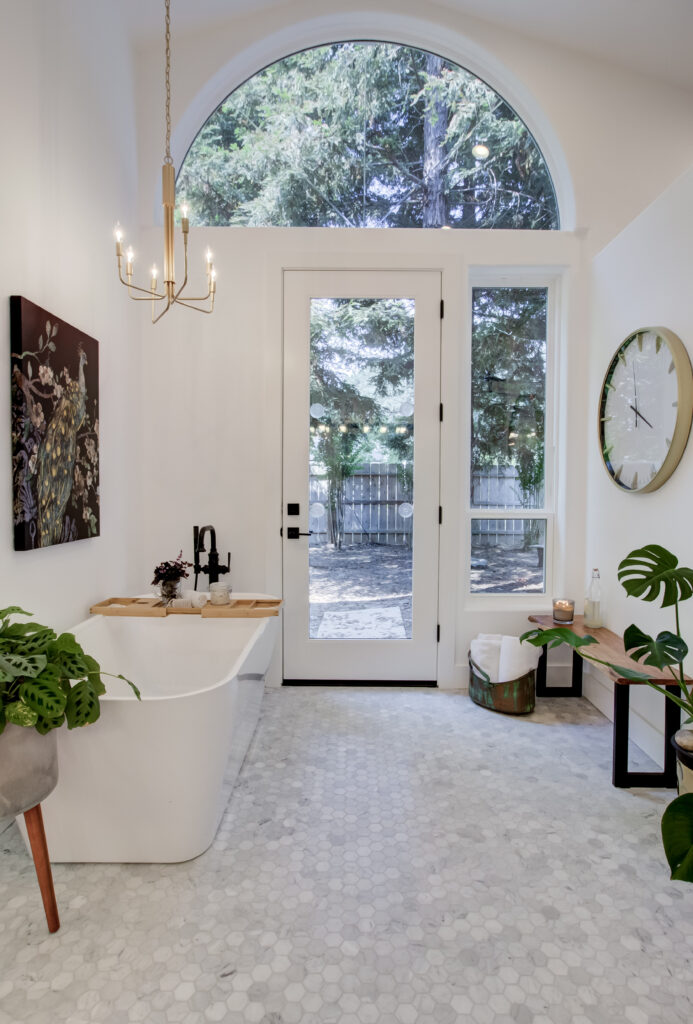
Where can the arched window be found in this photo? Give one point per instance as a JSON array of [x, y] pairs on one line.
[[365, 134]]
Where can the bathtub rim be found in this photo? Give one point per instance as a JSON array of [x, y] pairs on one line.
[[261, 626]]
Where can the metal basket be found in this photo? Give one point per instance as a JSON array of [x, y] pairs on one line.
[[515, 697]]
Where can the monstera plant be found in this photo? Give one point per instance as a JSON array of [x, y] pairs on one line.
[[649, 573], [46, 679]]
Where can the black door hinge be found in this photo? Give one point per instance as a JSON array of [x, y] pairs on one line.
[[438, 633], [441, 412], [440, 515], [442, 308], [281, 531]]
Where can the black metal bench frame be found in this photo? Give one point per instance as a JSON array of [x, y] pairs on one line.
[[621, 776]]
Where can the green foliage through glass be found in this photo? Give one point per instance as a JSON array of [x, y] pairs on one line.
[[366, 134]]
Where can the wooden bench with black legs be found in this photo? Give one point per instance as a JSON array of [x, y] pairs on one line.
[[610, 648]]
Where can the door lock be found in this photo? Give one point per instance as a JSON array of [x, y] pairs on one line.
[[293, 533]]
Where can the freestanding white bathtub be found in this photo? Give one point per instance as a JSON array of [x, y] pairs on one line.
[[149, 781]]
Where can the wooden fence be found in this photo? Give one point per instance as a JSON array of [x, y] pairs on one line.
[[377, 506], [377, 503]]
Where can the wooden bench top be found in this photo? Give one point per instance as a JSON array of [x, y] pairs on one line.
[[609, 648]]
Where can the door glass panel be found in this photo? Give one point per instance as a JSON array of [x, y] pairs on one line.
[[361, 423]]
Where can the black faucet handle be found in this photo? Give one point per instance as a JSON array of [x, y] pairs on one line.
[[226, 568]]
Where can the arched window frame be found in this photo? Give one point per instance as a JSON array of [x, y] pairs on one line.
[[396, 29]]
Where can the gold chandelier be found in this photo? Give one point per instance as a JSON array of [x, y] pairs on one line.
[[169, 294]]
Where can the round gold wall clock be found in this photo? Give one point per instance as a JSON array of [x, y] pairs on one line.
[[645, 409]]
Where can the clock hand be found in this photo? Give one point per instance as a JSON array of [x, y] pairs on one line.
[[637, 413], [635, 396]]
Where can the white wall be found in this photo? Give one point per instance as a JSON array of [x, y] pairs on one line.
[[643, 278], [69, 169]]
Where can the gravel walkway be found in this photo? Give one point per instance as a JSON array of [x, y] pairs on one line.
[[361, 577]]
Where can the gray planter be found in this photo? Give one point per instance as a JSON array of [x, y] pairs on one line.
[[683, 744], [28, 768]]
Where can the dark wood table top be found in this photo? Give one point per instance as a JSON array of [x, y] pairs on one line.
[[609, 647]]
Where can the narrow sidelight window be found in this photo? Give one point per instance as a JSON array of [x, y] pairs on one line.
[[508, 440]]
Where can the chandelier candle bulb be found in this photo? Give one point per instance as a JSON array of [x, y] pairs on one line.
[[563, 610]]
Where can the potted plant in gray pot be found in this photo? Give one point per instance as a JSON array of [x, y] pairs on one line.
[[45, 680], [647, 573]]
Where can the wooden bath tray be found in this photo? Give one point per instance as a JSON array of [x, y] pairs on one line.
[[239, 608], [242, 608], [129, 606]]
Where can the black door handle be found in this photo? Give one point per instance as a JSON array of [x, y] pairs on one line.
[[293, 533]]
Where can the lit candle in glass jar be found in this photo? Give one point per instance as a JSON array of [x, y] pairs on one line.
[[563, 610]]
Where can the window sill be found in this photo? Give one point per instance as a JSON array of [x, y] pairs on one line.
[[539, 604]]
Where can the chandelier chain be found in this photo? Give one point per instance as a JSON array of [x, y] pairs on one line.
[[168, 159]]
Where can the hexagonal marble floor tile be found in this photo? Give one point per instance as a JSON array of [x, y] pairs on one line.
[[388, 856]]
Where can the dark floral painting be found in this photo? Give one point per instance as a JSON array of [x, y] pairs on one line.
[[55, 428]]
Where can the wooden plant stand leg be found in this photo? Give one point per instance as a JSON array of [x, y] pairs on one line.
[[39, 850]]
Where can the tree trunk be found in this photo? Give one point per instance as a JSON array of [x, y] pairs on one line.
[[435, 126], [335, 509]]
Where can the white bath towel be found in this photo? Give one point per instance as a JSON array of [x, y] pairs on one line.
[[516, 659], [485, 652]]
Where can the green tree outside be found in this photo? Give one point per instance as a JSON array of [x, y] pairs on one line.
[[366, 135], [509, 389]]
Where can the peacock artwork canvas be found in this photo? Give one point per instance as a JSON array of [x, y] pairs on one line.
[[55, 428]]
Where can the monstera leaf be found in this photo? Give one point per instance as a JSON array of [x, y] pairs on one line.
[[666, 649], [677, 837], [554, 637], [647, 571], [559, 635]]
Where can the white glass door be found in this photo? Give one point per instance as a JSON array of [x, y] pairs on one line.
[[361, 474]]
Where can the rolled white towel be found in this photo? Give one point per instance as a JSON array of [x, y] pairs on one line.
[[516, 659], [485, 652]]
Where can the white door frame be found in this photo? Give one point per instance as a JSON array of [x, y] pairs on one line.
[[382, 660]]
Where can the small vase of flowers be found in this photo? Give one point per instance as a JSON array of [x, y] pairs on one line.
[[167, 576]]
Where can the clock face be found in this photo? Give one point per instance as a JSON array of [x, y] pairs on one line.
[[645, 409]]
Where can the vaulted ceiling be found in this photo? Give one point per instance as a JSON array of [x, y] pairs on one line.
[[652, 37]]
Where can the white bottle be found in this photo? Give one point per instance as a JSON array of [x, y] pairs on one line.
[[593, 602]]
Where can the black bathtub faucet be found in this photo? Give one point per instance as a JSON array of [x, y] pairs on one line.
[[213, 570]]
